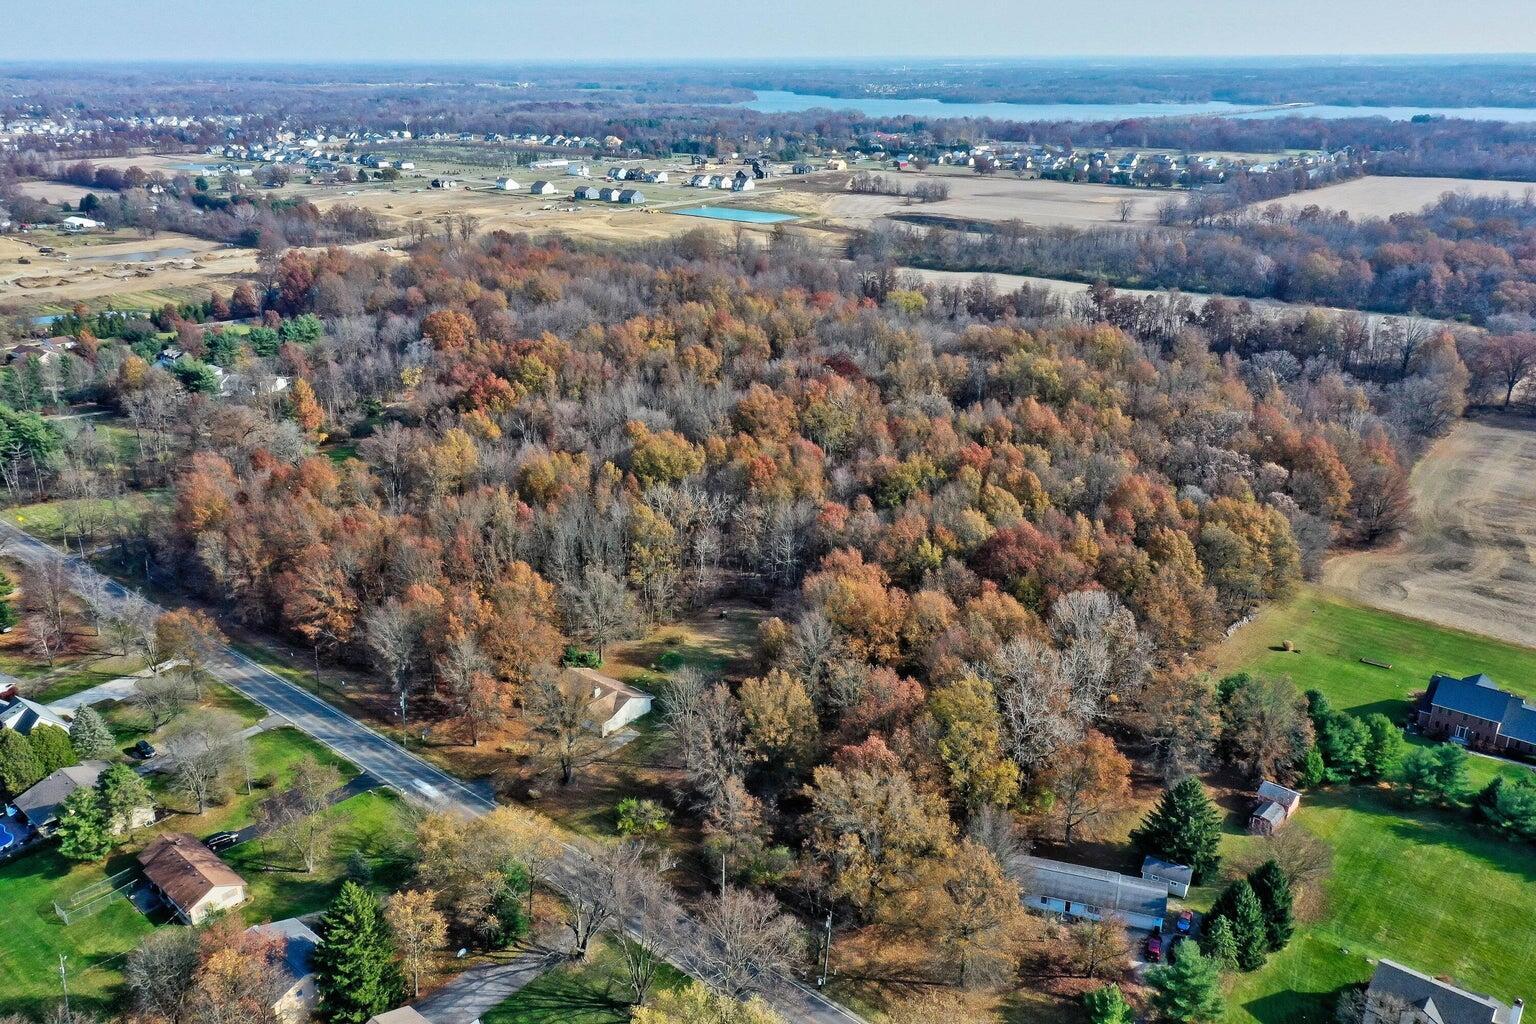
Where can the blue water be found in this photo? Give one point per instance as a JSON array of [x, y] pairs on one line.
[[729, 213], [7, 836], [775, 102]]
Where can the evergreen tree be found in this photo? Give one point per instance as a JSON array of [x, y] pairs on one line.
[[1189, 989], [1274, 892], [83, 832], [1384, 749], [51, 747], [356, 975], [1184, 827], [1436, 773], [1219, 943], [89, 735], [1107, 1005], [1313, 771], [8, 616], [123, 793], [19, 767], [1240, 907]]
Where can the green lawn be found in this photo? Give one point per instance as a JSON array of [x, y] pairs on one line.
[[1332, 635], [1424, 887], [371, 827], [593, 991], [95, 518], [34, 936]]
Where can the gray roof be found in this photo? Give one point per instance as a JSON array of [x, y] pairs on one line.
[[1181, 873], [1106, 890], [23, 715], [1438, 1000], [1480, 697], [1270, 812], [1276, 793], [41, 803], [300, 941]]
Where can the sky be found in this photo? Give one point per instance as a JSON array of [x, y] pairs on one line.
[[643, 30]]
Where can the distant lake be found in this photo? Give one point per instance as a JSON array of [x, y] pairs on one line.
[[778, 102]]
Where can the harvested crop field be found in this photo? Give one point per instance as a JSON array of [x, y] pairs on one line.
[[1373, 196], [1470, 559], [1002, 198]]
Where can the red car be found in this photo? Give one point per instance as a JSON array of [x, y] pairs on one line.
[[1154, 948]]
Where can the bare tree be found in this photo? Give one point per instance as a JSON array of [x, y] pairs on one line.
[[558, 707], [162, 698], [749, 936], [203, 748], [296, 818], [159, 973], [394, 640], [599, 608], [1123, 210]]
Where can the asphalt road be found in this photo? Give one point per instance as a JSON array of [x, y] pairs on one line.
[[421, 781]]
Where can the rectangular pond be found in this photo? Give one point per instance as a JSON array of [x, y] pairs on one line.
[[731, 213]]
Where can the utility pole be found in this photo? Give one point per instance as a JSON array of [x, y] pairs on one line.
[[405, 740], [64, 984], [826, 953]]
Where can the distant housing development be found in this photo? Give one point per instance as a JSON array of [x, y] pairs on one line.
[[1476, 713]]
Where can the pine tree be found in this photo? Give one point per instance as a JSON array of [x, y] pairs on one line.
[[89, 735], [51, 747], [1189, 989], [1219, 943], [1240, 907], [1273, 890], [123, 794], [1313, 770], [83, 832], [19, 767], [1107, 1005], [356, 975], [1184, 827]]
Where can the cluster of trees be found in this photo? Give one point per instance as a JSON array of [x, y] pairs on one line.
[[1459, 258], [926, 191]]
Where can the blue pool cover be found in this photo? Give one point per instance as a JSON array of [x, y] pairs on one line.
[[731, 213]]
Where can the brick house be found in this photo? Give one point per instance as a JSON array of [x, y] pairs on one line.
[[1477, 714]]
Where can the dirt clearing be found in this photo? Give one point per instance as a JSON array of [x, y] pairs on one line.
[[1000, 198], [1383, 196], [1470, 559]]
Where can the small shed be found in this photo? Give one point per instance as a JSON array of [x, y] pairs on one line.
[[1178, 877], [1273, 809]]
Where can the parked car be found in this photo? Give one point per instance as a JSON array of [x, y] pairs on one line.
[[1154, 948], [144, 749], [1186, 922], [221, 841]]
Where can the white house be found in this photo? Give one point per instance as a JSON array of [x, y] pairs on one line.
[[507, 184], [189, 877], [1055, 887], [78, 223], [614, 704], [578, 171], [542, 188], [1177, 877], [22, 715], [297, 998]]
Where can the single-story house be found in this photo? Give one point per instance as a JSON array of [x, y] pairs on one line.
[[297, 999], [657, 177], [542, 188], [404, 1015], [578, 171], [507, 184], [41, 804], [1401, 995], [190, 877], [743, 184], [587, 192], [1476, 713], [614, 704], [80, 224], [1055, 887], [632, 196], [1178, 877], [23, 715], [609, 195], [1275, 806]]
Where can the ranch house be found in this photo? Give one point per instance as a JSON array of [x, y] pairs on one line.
[[1055, 887], [1476, 713]]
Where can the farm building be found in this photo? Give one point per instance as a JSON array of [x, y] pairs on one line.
[[296, 997], [837, 165], [1476, 713], [1177, 877], [507, 184], [80, 224], [614, 704], [1055, 887], [1275, 806], [189, 877], [542, 188], [631, 196], [1401, 995], [22, 715]]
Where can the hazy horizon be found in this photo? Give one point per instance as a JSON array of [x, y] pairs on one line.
[[483, 31]]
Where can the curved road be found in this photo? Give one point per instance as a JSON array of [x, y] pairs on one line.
[[415, 778]]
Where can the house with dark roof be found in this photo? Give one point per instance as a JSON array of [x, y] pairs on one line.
[[22, 715], [41, 804], [1274, 808], [189, 877], [1177, 877], [297, 997], [1073, 890], [1476, 713], [1401, 995]]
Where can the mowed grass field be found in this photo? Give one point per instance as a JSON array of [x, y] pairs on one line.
[[1427, 887], [592, 991], [1332, 634]]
